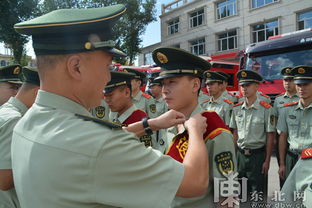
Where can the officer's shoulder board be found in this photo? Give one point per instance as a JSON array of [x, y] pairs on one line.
[[291, 104], [228, 101], [238, 104], [306, 153], [264, 95], [146, 95], [106, 123], [265, 104]]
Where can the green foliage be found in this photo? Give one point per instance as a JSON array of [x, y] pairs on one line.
[[127, 32], [12, 12]]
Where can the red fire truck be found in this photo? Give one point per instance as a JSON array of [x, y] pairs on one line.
[[269, 57]]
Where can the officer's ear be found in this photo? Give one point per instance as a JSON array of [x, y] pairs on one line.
[[74, 66], [196, 84]]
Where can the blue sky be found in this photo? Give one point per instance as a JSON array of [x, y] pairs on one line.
[[151, 35]]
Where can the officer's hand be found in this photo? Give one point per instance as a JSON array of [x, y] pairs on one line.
[[196, 123], [265, 167], [282, 171], [166, 120]]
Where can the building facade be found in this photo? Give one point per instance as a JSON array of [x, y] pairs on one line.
[[210, 27]]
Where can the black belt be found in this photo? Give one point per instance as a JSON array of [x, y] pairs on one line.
[[293, 154], [251, 151]]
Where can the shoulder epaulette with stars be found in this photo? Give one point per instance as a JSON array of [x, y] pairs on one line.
[[106, 123], [237, 104], [264, 95], [265, 104], [291, 104], [146, 95], [227, 101], [306, 153]]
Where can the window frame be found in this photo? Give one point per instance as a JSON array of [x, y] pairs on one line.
[[233, 4], [174, 23], [191, 19], [265, 4], [227, 38], [265, 30], [203, 43], [304, 19]]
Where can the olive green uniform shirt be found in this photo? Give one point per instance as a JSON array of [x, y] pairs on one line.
[[202, 97], [146, 104], [221, 107], [296, 121], [260, 96], [102, 111], [252, 124], [221, 144], [299, 182], [281, 100], [10, 113], [61, 160], [229, 96], [161, 106]]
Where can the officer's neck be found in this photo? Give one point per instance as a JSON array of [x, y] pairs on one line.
[[217, 95], [126, 106], [306, 102], [135, 92], [251, 99], [187, 110], [291, 93]]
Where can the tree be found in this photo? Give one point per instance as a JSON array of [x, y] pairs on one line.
[[12, 12], [128, 30]]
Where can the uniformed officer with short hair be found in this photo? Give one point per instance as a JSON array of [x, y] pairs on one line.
[[181, 75], [217, 103], [118, 97], [295, 121], [9, 82], [155, 88], [226, 94], [10, 113], [141, 100], [64, 157], [253, 122], [290, 95]]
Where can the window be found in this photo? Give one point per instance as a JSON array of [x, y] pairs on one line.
[[2, 63], [262, 32], [226, 8], [198, 46], [148, 59], [227, 41], [260, 3], [305, 20], [197, 18], [173, 26]]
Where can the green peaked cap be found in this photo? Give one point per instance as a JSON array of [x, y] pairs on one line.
[[10, 73], [176, 62], [68, 31]]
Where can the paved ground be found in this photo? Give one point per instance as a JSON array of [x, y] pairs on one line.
[[273, 179]]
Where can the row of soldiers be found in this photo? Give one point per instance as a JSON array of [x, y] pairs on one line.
[[58, 155]]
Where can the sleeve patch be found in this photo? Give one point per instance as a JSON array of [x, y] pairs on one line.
[[224, 162]]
